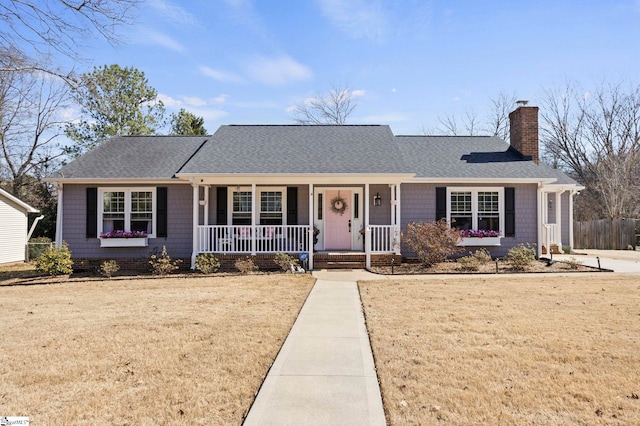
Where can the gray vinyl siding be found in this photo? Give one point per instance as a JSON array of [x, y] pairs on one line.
[[419, 205], [379, 215], [179, 229], [564, 198]]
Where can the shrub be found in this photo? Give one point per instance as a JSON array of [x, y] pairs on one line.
[[469, 263], [55, 261], [162, 264], [109, 267], [521, 257], [573, 263], [37, 246], [246, 265], [207, 263], [433, 242], [566, 249], [482, 256], [284, 261]]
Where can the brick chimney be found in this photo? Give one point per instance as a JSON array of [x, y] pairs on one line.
[[523, 124]]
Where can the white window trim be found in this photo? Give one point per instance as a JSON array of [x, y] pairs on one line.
[[260, 189], [474, 202], [127, 202]]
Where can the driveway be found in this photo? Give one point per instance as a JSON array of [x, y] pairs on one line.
[[617, 260]]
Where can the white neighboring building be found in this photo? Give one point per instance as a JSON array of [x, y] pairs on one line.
[[13, 227]]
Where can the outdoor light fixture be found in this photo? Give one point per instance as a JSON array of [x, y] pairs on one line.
[[377, 201]]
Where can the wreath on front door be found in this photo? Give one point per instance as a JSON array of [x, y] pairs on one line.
[[338, 205]]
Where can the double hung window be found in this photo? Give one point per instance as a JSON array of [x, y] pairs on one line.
[[476, 208], [127, 209]]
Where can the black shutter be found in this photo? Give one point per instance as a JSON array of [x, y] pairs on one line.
[[441, 203], [509, 212], [161, 211], [292, 205], [221, 205], [92, 213]]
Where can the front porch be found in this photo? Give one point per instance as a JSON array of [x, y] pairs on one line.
[[262, 220]]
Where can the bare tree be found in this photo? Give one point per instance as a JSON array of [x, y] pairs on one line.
[[33, 31], [495, 123], [332, 108], [595, 137], [30, 107]]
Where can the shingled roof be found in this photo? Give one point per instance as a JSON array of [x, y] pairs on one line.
[[295, 149], [317, 149]]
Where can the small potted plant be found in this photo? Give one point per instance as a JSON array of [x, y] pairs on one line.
[[316, 232]]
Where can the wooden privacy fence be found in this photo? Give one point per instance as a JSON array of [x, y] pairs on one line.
[[605, 234]]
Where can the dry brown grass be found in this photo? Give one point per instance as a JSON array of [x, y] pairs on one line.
[[526, 350], [142, 351]]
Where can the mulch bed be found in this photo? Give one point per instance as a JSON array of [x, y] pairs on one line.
[[503, 267]]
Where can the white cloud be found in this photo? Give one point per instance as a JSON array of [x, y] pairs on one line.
[[357, 93], [220, 99], [358, 18], [149, 36], [170, 102], [173, 12], [220, 76], [278, 71], [194, 101]]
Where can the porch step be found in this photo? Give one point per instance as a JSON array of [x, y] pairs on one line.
[[339, 261], [554, 249]]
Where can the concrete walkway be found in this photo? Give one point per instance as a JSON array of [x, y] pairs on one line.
[[324, 373]]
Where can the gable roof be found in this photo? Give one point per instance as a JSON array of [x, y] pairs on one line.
[[307, 149], [295, 149]]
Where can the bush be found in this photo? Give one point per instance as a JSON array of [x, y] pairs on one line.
[[246, 265], [433, 242], [109, 267], [207, 263], [469, 263], [55, 261], [37, 246], [162, 264], [573, 263], [482, 256], [284, 261], [521, 257]]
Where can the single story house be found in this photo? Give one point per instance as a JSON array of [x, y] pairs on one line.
[[13, 228], [335, 193]]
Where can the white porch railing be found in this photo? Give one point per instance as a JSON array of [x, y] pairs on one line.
[[253, 239], [551, 234], [383, 238]]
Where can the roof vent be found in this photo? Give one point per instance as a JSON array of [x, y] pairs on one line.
[[522, 103]]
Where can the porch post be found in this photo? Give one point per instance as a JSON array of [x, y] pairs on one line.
[[367, 228], [392, 205], [253, 219], [571, 194], [541, 219], [196, 208], [398, 222], [59, 216], [206, 204], [559, 219], [310, 231]]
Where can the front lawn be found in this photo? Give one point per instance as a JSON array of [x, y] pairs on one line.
[[528, 349], [186, 350]]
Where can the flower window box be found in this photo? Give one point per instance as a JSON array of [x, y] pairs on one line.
[[124, 242], [479, 241]]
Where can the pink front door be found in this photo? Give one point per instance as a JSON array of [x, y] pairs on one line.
[[338, 219]]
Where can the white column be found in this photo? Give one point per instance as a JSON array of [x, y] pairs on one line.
[[206, 204], [541, 207], [253, 219], [196, 208], [571, 194], [367, 228], [398, 220], [559, 219], [311, 211], [392, 205], [59, 216]]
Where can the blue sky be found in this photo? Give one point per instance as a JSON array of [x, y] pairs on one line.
[[409, 62]]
